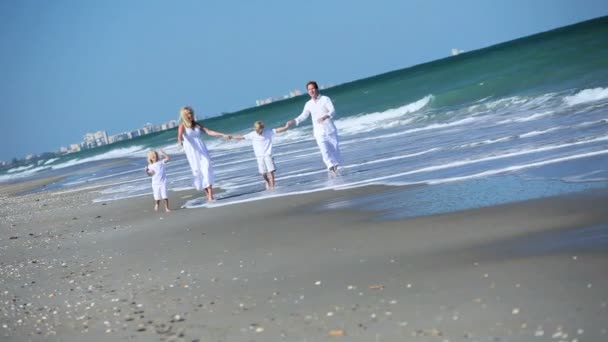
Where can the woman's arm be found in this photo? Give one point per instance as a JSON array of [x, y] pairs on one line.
[[180, 133], [214, 133]]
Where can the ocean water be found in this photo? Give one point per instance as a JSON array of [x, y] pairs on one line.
[[466, 131]]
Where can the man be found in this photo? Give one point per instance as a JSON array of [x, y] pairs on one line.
[[322, 111]]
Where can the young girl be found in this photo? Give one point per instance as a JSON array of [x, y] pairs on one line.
[[261, 140], [156, 169]]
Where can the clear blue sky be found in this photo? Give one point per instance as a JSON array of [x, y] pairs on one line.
[[69, 67]]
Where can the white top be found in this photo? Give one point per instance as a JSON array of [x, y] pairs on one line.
[[262, 143], [318, 108], [159, 175]]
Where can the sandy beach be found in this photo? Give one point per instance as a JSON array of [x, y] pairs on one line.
[[289, 269]]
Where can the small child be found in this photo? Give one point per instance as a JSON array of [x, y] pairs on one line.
[[261, 139], [156, 169]]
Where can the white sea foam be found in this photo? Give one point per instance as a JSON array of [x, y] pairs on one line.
[[201, 203], [384, 160], [587, 95], [516, 167], [388, 118], [534, 116], [22, 172], [535, 133], [50, 161], [593, 176], [20, 168], [25, 171], [486, 142], [441, 127], [459, 163]]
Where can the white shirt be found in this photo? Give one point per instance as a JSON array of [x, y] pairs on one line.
[[159, 175], [318, 108], [262, 143]]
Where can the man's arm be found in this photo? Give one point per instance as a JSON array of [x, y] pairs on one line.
[[329, 107], [282, 129], [303, 116]]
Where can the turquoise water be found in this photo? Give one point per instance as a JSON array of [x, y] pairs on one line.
[[535, 108]]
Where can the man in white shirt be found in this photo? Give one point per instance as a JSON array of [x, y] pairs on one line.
[[322, 111]]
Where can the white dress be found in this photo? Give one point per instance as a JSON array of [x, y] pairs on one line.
[[198, 158]]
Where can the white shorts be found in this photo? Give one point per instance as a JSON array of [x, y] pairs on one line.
[[159, 191], [266, 164]]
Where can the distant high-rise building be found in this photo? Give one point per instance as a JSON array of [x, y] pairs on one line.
[[455, 51], [98, 138]]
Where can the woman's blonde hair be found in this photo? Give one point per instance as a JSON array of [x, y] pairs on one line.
[[258, 125], [182, 113], [150, 155]]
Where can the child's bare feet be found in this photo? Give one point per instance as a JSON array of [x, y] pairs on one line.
[[156, 207], [167, 210], [209, 192]]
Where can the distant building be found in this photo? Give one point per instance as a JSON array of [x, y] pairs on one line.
[[120, 137], [98, 138], [172, 124], [74, 148], [455, 51], [295, 93], [150, 128]]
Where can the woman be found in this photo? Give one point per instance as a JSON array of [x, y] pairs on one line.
[[189, 136]]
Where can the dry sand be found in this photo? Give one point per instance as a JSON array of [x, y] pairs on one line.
[[284, 270]]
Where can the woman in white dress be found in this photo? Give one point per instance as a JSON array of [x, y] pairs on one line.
[[189, 136]]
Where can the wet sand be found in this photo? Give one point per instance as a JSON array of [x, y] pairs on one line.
[[286, 269]]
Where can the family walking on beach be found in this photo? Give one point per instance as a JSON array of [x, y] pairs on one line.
[[189, 132]]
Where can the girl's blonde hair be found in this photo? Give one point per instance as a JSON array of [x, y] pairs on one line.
[[258, 125], [152, 154], [187, 122]]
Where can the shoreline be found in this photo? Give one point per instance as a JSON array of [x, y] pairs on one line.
[[283, 269]]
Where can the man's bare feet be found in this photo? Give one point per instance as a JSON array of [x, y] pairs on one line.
[[334, 171], [167, 210], [156, 207]]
